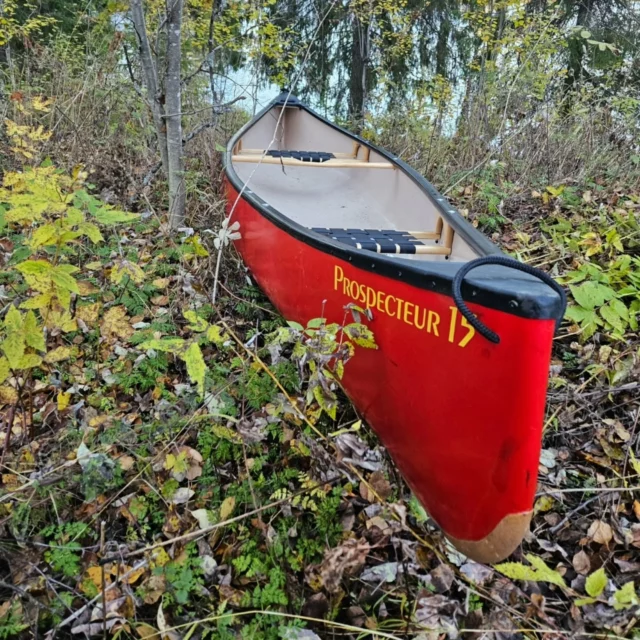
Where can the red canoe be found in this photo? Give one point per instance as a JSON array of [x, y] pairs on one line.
[[456, 390]]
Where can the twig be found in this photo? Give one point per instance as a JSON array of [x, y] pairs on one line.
[[572, 513], [76, 614]]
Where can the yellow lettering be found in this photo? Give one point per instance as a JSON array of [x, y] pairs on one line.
[[452, 323], [470, 333], [433, 322], [362, 295], [380, 297], [386, 304], [400, 303], [371, 298], [337, 277], [424, 318], [346, 283], [406, 309]]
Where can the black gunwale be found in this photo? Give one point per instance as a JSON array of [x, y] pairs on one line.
[[495, 287]]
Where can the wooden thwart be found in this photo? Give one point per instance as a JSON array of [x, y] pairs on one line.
[[337, 163]]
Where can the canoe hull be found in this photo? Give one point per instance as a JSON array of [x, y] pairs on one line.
[[461, 417]]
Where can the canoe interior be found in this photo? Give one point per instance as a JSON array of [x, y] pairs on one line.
[[357, 189]]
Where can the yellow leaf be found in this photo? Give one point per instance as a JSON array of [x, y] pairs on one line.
[[87, 288], [8, 395], [13, 348], [227, 507], [61, 320], [147, 632], [93, 266], [196, 367], [29, 361], [127, 268], [5, 370], [94, 575], [161, 283], [33, 334], [115, 324], [159, 557], [88, 312], [58, 354], [63, 400], [13, 320]]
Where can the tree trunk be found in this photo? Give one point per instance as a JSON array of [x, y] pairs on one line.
[[442, 46], [576, 69], [173, 115], [154, 96], [359, 70]]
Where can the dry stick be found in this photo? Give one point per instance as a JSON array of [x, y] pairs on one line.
[[572, 513]]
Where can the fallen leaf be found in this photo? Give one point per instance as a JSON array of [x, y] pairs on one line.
[[581, 563], [126, 462], [147, 632], [88, 312], [63, 400], [116, 324], [600, 532], [227, 507], [182, 495], [204, 517]]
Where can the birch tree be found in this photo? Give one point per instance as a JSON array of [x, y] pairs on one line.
[[164, 98]]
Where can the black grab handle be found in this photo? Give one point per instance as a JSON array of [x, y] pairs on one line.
[[504, 261]]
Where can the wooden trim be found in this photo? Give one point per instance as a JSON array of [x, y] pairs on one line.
[[367, 153], [355, 149], [337, 163], [425, 235], [447, 235], [433, 251]]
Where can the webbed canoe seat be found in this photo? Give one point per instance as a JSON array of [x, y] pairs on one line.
[[394, 241]]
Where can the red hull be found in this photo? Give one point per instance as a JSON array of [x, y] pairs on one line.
[[461, 417]]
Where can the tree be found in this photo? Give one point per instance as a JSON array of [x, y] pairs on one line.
[[164, 98]]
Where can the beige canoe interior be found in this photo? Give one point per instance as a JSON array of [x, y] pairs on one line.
[[356, 189]]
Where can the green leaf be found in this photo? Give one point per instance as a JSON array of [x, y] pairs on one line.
[[91, 231], [295, 325], [215, 335], [112, 216], [220, 148], [625, 597], [13, 348], [196, 323], [34, 267], [611, 316], [596, 583], [361, 335], [196, 367], [13, 320], [61, 277], [43, 236], [580, 602], [538, 572], [170, 345], [5, 370], [591, 295], [33, 334], [315, 323], [30, 360]]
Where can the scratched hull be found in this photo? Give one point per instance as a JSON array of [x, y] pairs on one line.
[[461, 417]]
